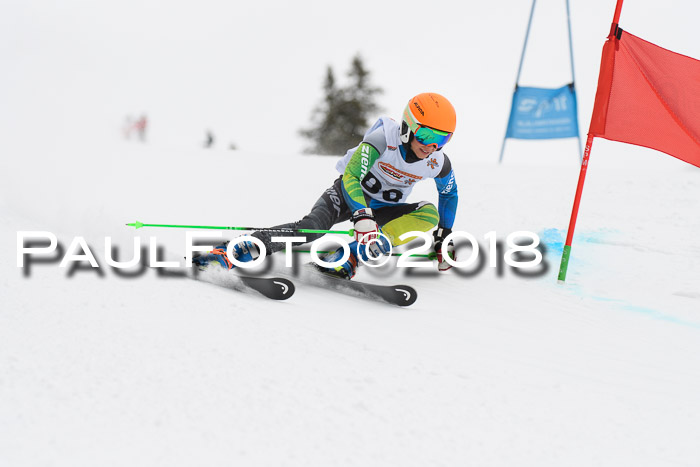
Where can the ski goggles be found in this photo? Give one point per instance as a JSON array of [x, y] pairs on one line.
[[426, 135]]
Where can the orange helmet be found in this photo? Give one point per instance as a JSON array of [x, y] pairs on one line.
[[430, 118]]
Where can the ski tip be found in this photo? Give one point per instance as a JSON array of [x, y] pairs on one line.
[[285, 288], [407, 295], [276, 288]]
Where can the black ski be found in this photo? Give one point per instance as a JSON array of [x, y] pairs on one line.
[[276, 288], [400, 295]]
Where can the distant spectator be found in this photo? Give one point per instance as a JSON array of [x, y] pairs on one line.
[[137, 127], [209, 140], [140, 126]]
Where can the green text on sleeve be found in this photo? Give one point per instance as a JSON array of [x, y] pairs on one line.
[[362, 159]]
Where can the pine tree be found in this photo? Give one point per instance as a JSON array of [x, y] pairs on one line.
[[343, 116]]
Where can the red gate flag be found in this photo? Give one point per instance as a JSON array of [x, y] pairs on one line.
[[648, 96]]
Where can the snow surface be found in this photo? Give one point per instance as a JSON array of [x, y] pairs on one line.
[[484, 370]]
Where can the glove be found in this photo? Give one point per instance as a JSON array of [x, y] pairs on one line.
[[364, 225], [439, 236]]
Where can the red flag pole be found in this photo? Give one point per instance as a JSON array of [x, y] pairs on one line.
[[582, 175], [618, 9], [574, 211]]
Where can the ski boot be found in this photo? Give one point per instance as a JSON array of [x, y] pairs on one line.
[[243, 252], [348, 269]]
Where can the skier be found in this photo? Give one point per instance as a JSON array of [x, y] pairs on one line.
[[376, 178]]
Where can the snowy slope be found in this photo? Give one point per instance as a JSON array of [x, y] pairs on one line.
[[486, 370]]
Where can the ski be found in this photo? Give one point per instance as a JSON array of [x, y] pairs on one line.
[[275, 288], [400, 295]]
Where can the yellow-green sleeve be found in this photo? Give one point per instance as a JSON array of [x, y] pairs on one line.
[[362, 159]]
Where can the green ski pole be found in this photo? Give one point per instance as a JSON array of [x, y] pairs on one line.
[[139, 225]]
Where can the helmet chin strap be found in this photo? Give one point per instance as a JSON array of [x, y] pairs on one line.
[[407, 153]]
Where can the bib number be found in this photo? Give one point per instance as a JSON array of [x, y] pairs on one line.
[[374, 186]]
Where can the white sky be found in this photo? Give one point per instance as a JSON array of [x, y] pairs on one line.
[[252, 72]]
